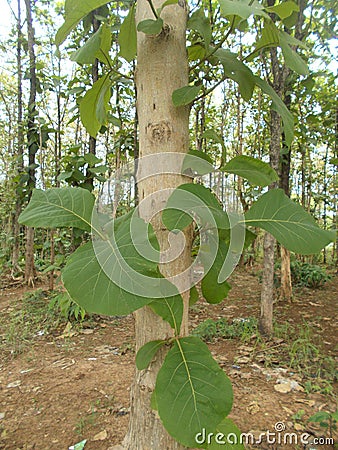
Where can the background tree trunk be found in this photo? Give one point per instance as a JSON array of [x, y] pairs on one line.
[[32, 140], [20, 139], [162, 67]]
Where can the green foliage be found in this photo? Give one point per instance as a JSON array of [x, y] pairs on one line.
[[211, 329], [328, 420], [127, 36], [205, 393], [288, 223], [213, 290], [190, 200], [68, 308], [93, 290], [59, 207], [309, 275], [254, 170], [74, 12], [94, 105], [150, 26], [147, 352], [185, 95], [29, 318], [229, 437]]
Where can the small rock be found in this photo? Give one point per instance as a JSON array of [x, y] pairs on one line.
[[100, 436], [283, 388], [2, 415], [243, 360], [87, 331], [298, 427]]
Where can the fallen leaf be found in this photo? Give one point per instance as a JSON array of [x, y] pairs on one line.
[[100, 436]]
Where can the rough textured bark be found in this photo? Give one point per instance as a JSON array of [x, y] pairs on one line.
[[95, 77], [162, 68], [20, 139], [267, 292], [32, 142]]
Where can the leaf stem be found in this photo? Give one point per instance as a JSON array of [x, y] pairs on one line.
[[153, 8]]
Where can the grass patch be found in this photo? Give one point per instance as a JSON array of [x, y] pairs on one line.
[[27, 319]]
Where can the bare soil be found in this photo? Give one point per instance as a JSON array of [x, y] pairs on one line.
[[70, 385]]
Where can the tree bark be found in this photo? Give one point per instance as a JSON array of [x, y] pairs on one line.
[[32, 143], [162, 67], [20, 139]]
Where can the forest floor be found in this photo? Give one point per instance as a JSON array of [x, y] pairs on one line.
[[61, 384]]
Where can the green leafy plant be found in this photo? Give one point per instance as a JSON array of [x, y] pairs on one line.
[[188, 362], [242, 329], [68, 308], [309, 275], [326, 420]]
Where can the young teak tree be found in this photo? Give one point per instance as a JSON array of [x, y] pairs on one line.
[[179, 391]]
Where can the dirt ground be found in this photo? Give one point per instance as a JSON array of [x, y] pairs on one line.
[[69, 386]]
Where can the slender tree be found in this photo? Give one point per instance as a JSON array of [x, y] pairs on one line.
[[162, 128], [32, 141]]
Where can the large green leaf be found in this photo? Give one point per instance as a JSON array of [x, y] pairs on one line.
[[254, 170], [128, 36], [128, 252], [197, 163], [147, 352], [191, 201], [103, 52], [90, 287], [284, 9], [237, 71], [94, 105], [59, 207], [226, 436], [185, 95], [288, 223], [170, 309], [86, 54], [192, 391], [200, 23], [280, 107], [292, 59], [269, 38], [241, 8], [75, 10], [213, 290]]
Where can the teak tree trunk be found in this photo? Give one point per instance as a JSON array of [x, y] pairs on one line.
[[162, 67]]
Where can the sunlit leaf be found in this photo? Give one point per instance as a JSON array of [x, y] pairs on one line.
[[284, 9], [74, 12], [94, 105], [128, 37]]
